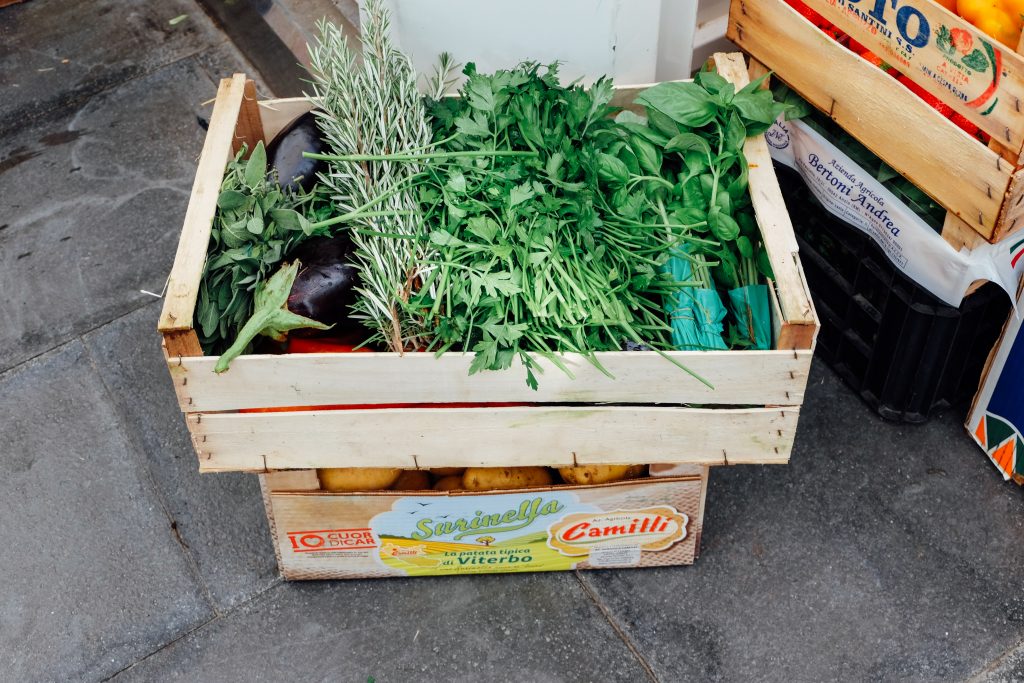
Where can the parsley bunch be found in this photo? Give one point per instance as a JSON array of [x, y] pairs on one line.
[[532, 256]]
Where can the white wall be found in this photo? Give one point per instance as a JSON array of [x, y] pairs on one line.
[[634, 41]]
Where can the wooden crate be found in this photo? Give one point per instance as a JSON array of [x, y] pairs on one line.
[[981, 185], [645, 414], [649, 522]]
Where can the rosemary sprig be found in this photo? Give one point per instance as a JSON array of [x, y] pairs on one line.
[[366, 110]]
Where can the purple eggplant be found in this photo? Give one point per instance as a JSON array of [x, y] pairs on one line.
[[284, 154], [324, 288], [313, 292]]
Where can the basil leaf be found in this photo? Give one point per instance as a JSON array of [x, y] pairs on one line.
[[722, 225], [647, 154], [611, 169], [683, 102], [685, 142]]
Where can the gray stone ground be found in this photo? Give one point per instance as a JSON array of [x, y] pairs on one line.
[[882, 552]]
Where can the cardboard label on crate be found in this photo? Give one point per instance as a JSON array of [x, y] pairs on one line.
[[644, 523], [650, 529], [855, 196], [916, 36], [997, 418]]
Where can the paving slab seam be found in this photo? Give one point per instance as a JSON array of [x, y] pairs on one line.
[[137, 449], [995, 663], [74, 337], [619, 631], [278, 582], [82, 99]]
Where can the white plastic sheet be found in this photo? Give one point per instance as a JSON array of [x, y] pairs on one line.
[[855, 196]]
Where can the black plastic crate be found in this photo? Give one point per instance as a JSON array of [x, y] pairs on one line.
[[905, 352]]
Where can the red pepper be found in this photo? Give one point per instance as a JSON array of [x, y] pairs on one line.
[[324, 345]]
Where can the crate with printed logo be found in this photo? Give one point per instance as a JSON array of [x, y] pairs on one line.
[[978, 78]]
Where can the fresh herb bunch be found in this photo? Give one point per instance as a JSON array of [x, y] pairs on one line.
[[530, 258], [367, 109], [700, 127], [256, 225]]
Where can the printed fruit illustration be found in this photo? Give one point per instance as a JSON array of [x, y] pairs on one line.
[[961, 40]]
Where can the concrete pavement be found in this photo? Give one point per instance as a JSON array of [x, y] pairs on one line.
[[882, 552]]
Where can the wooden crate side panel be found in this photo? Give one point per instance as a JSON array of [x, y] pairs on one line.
[[989, 97], [183, 284], [1011, 218], [776, 228], [502, 437], [952, 167], [249, 127], [264, 381]]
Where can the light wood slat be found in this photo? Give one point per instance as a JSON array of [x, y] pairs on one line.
[[1011, 219], [1005, 122], [773, 219], [263, 381], [491, 437], [951, 166], [183, 285]]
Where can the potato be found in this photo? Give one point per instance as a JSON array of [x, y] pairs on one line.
[[495, 478], [412, 480], [442, 472], [357, 478], [452, 483], [600, 474]]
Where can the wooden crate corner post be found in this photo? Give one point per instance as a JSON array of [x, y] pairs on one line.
[[796, 323], [176, 319]]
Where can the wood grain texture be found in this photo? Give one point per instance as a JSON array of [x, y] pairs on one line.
[[179, 343], [1011, 215], [951, 166], [465, 437], [773, 219], [249, 129], [1005, 122], [264, 381], [187, 271]]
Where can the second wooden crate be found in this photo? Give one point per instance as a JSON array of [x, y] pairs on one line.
[[981, 185]]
